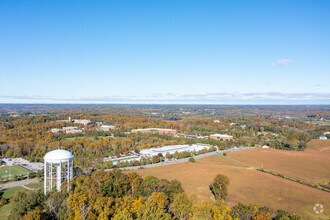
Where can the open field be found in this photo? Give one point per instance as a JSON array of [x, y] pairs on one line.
[[90, 138], [318, 145], [14, 170], [311, 165], [320, 122], [246, 185], [38, 185], [8, 193], [5, 211]]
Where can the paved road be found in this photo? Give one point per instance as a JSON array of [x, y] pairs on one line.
[[18, 183], [214, 153]]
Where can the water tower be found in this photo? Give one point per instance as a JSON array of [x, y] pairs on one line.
[[58, 168]]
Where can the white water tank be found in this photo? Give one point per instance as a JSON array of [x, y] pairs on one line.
[[58, 168]]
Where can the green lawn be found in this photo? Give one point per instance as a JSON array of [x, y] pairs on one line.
[[321, 122], [14, 170], [35, 185], [8, 193], [5, 211], [90, 138]]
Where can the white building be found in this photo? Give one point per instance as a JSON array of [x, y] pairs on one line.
[[34, 166], [224, 137], [164, 131], [55, 130], [82, 121], [116, 160], [171, 149], [71, 130], [107, 127]]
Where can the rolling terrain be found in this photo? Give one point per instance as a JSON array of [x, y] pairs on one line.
[[250, 185]]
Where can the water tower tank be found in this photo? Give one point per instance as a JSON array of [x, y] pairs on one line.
[[58, 168]]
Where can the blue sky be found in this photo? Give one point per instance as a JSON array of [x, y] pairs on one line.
[[165, 51]]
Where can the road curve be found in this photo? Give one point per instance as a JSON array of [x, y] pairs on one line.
[[18, 183]]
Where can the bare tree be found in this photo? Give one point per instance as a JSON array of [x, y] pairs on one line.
[[54, 203]]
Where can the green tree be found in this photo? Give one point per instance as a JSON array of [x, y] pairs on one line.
[[176, 155], [155, 159], [116, 185], [192, 160], [219, 187]]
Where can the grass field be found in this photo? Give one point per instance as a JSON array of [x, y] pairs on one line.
[[5, 211], [311, 165], [246, 185], [14, 170], [90, 138], [8, 193], [320, 122], [35, 185]]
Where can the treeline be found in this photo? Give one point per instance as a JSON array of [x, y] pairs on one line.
[[116, 195], [155, 159], [30, 136]]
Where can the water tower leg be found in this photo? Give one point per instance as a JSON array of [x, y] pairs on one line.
[[68, 175], [48, 180], [51, 177], [58, 176], [71, 170], [45, 177]]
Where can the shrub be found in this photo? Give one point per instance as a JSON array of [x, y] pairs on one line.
[[192, 160], [32, 175]]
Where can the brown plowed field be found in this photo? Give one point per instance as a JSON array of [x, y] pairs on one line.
[[248, 185], [311, 165]]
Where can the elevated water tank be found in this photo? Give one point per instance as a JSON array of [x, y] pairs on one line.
[[58, 168]]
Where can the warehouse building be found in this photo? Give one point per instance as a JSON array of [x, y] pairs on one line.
[[224, 137], [154, 130], [171, 149]]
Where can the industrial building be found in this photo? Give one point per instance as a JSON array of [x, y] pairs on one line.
[[107, 127], [154, 130], [171, 149], [67, 130], [224, 137], [81, 121], [116, 160], [71, 130]]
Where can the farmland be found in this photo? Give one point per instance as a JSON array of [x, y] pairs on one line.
[[311, 165], [246, 185]]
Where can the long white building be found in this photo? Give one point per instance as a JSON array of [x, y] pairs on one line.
[[173, 148]]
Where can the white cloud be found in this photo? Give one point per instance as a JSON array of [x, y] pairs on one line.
[[282, 62]]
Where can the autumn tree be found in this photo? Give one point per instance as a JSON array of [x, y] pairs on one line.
[[219, 187], [182, 206], [54, 202], [155, 159]]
